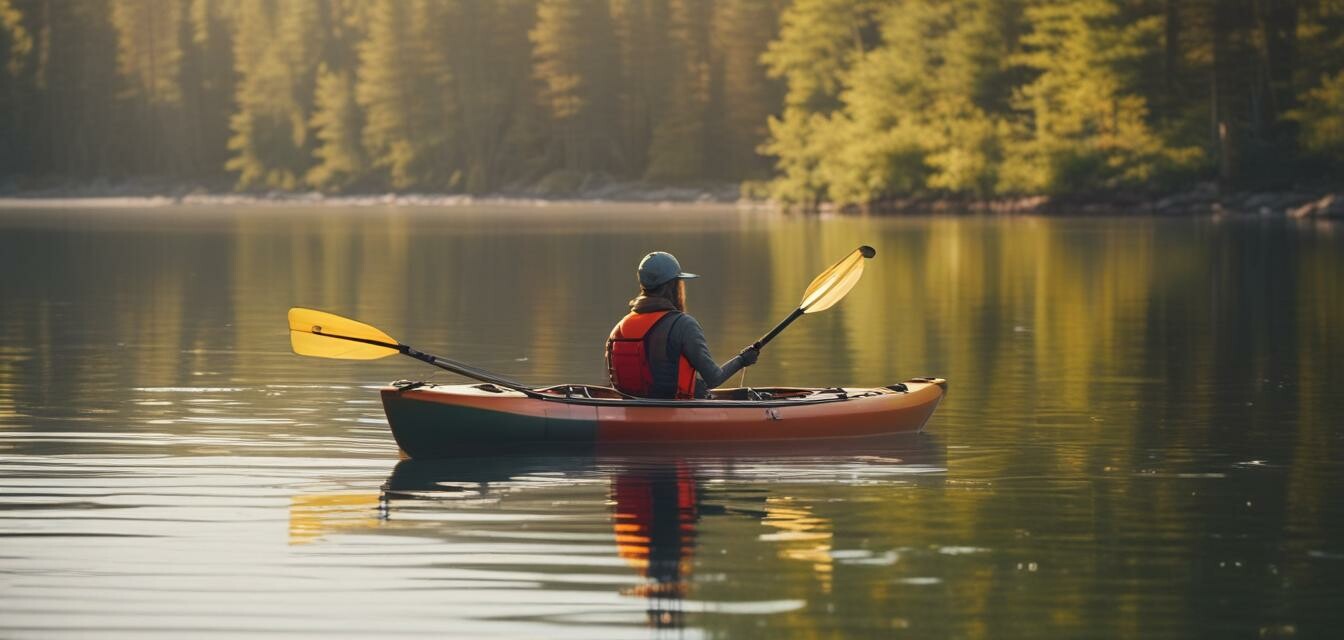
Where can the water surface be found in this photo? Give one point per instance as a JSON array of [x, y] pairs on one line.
[[1143, 434]]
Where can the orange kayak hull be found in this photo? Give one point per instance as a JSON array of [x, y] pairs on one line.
[[436, 421]]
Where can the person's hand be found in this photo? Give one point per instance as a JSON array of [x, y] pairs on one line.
[[749, 356]]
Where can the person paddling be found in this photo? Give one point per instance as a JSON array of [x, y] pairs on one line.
[[658, 349]]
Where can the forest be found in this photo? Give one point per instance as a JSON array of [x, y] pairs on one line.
[[803, 102]]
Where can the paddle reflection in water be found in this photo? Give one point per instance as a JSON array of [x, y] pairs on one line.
[[646, 530]]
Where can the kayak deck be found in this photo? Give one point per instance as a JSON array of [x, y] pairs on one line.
[[434, 421]]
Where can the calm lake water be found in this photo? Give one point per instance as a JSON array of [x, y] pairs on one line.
[[1144, 435]]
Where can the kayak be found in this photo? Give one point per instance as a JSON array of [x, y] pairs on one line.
[[437, 421]]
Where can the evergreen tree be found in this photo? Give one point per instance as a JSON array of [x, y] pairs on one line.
[[1319, 79], [1087, 126], [75, 123], [404, 86], [489, 55], [645, 72], [853, 102], [277, 48], [149, 60], [818, 42], [918, 107], [149, 55], [207, 82], [15, 89], [679, 148], [746, 98], [574, 53], [337, 123]]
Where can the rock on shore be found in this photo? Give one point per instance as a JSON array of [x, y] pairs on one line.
[[1329, 206]]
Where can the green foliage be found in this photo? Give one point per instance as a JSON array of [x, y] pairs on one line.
[[818, 40], [679, 145], [19, 43], [148, 51], [337, 122], [799, 140], [974, 97], [277, 47], [575, 55], [1321, 117], [742, 30], [405, 89], [849, 102], [1087, 127]]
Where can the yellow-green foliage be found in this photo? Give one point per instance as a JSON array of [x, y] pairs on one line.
[[849, 101], [337, 122], [405, 89], [1086, 129], [1321, 117], [277, 50], [19, 40]]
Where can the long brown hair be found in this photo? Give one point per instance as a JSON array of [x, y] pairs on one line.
[[673, 290]]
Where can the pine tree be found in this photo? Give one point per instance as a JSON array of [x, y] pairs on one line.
[[1319, 80], [818, 42], [207, 82], [1088, 126], [16, 90], [921, 106], [645, 53], [76, 120], [574, 53], [277, 47], [679, 149], [746, 97], [405, 88], [148, 52], [337, 122]]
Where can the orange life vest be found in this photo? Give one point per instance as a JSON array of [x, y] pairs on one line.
[[628, 360]]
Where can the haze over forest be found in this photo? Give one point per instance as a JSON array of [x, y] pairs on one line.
[[807, 101]]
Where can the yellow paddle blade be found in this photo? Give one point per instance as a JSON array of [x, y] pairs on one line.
[[833, 283], [326, 335]]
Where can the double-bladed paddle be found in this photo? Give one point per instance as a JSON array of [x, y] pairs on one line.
[[327, 335]]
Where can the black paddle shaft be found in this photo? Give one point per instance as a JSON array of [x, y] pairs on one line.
[[454, 366], [779, 327], [463, 369]]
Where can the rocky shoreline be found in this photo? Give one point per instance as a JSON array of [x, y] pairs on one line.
[[1203, 199], [152, 192]]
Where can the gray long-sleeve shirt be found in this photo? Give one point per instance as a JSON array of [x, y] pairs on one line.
[[680, 334]]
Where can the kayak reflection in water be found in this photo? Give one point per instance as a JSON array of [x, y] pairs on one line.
[[659, 350], [656, 511]]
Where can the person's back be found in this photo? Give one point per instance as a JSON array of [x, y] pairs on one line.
[[657, 349]]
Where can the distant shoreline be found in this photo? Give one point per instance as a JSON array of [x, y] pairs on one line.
[[156, 193], [1202, 200], [1205, 199]]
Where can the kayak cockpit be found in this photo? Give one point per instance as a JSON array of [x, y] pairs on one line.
[[750, 394]]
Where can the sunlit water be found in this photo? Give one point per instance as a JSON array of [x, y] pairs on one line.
[[1143, 434]]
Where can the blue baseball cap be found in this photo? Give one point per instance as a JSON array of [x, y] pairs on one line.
[[659, 268]]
